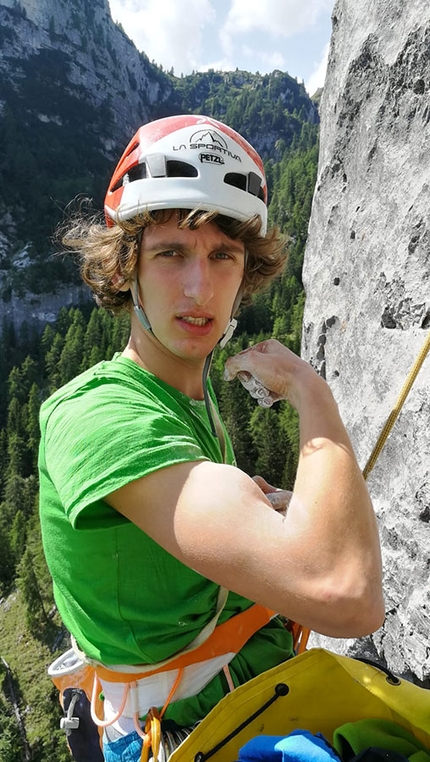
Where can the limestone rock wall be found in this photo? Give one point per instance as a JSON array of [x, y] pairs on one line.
[[367, 281], [103, 65], [39, 309]]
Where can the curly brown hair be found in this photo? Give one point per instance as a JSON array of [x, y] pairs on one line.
[[108, 255]]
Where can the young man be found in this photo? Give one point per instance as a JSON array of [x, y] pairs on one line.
[[147, 523]]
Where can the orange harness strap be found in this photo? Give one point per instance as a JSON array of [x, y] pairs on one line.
[[300, 636], [227, 637]]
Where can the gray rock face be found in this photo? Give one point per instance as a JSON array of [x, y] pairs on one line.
[[39, 309], [87, 72], [367, 279], [103, 64]]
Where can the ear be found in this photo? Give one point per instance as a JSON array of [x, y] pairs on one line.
[[119, 282]]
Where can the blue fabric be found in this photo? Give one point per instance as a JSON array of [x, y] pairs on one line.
[[125, 749], [298, 746]]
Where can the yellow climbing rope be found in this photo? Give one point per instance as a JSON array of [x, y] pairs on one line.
[[301, 634], [397, 408]]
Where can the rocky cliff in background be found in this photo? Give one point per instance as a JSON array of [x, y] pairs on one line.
[[91, 56], [367, 279], [72, 88]]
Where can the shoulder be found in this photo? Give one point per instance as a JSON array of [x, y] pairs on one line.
[[117, 413], [111, 386]]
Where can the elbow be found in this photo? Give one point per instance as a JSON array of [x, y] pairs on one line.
[[363, 618], [355, 612], [373, 609]]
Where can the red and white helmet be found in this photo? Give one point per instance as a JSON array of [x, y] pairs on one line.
[[188, 162]]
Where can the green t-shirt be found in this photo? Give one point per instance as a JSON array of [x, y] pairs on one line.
[[124, 598]]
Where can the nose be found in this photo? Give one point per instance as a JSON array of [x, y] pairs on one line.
[[198, 283]]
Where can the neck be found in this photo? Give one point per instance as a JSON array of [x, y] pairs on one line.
[[185, 376]]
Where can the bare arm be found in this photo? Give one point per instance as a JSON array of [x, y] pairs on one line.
[[320, 564]]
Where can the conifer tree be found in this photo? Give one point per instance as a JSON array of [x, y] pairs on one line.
[[32, 426], [10, 742], [269, 444], [51, 362], [36, 614], [69, 364]]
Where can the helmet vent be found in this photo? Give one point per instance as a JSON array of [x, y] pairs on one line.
[[138, 172], [171, 169], [250, 183], [180, 169], [158, 166], [236, 180]]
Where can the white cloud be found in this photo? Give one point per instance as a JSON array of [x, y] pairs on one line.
[[282, 18], [317, 77], [255, 35], [168, 31], [267, 22], [274, 60]]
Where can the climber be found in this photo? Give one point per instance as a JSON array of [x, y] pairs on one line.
[[146, 521]]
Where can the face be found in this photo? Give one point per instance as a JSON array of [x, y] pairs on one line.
[[188, 282]]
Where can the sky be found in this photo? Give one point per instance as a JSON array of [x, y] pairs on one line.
[[254, 35]]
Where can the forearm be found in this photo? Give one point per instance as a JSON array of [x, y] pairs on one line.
[[331, 539], [332, 512], [327, 469]]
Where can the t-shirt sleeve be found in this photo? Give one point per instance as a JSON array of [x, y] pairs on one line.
[[102, 440]]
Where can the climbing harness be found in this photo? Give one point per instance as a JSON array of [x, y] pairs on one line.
[[129, 690]]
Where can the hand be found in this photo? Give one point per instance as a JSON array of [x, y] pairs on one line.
[[265, 397], [279, 498], [283, 374]]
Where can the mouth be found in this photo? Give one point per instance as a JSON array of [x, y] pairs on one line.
[[196, 325], [195, 320]]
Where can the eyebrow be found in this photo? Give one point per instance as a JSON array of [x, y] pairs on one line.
[[169, 244]]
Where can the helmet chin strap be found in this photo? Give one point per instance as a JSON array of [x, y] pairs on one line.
[[225, 338], [232, 324], [139, 311], [143, 318], [228, 333]]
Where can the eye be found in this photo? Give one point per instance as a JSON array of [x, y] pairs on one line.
[[167, 253], [222, 255]]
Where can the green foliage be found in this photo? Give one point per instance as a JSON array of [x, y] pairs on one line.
[[258, 106], [10, 742], [49, 157], [265, 441], [72, 344], [236, 406], [16, 510], [29, 707], [30, 570]]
